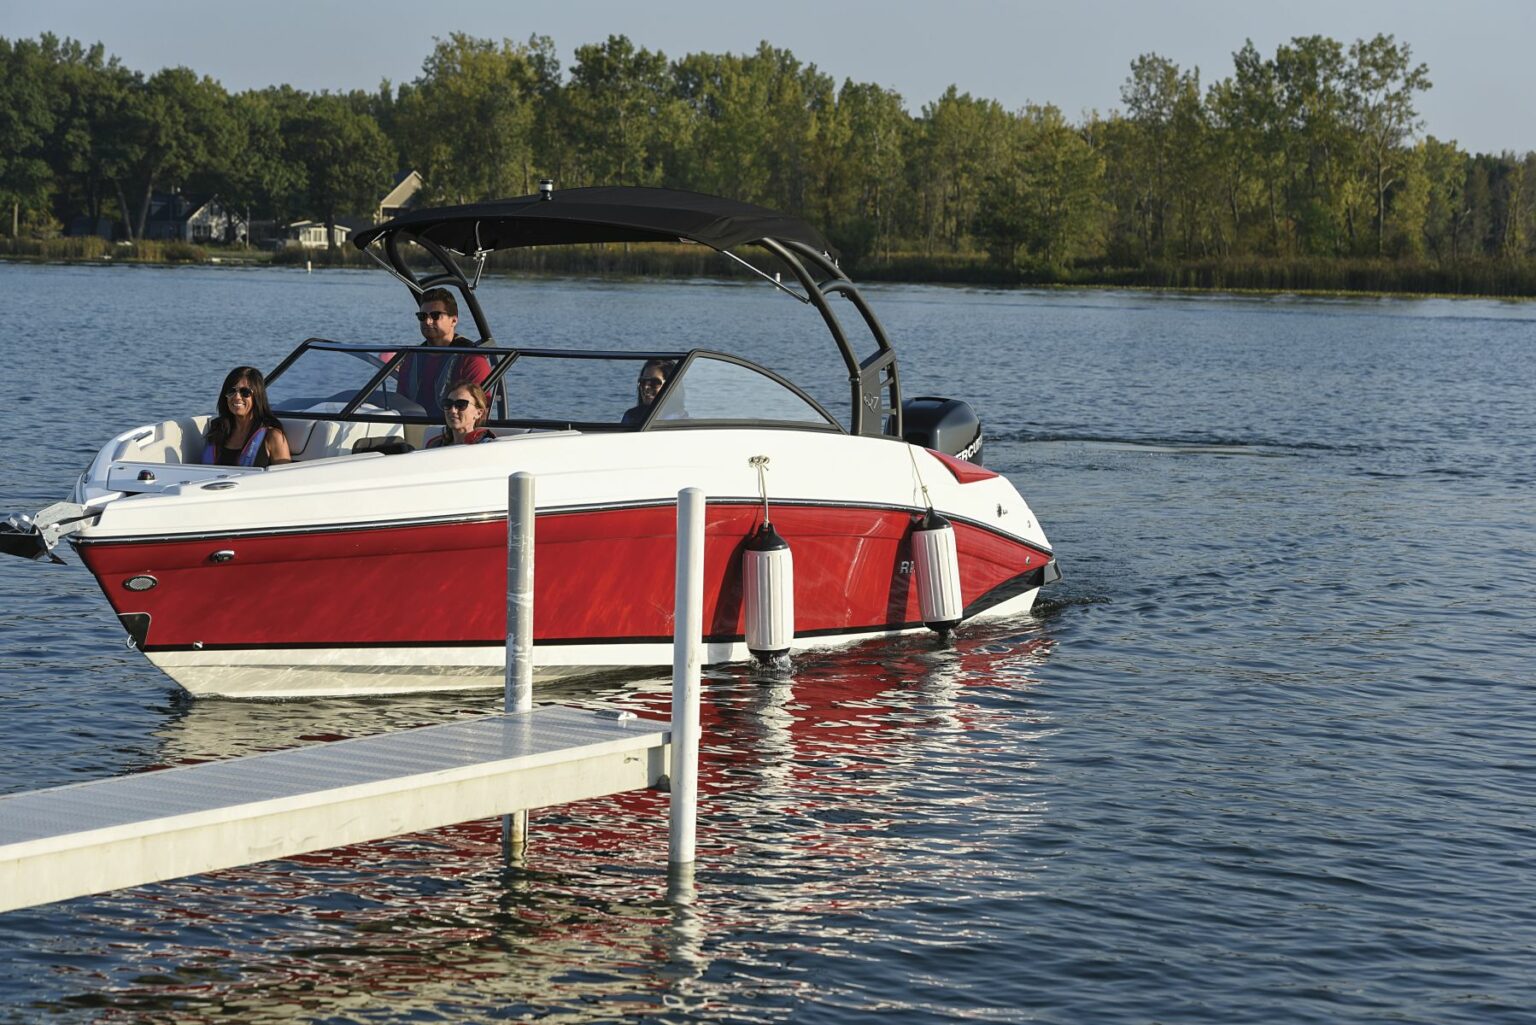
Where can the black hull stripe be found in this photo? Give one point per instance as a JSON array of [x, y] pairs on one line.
[[1026, 581]]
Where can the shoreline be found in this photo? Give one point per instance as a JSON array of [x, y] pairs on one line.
[[871, 275]]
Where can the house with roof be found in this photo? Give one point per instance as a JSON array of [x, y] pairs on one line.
[[311, 234], [176, 217], [400, 197]]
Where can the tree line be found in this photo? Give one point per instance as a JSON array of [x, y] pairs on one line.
[[1307, 158]]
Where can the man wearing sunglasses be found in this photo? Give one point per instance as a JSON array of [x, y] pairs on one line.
[[426, 377]]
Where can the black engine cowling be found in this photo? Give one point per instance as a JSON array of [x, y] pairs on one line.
[[944, 425]]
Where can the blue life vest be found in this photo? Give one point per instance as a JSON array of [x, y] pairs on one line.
[[248, 454]]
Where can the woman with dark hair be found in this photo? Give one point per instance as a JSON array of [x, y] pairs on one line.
[[653, 377], [465, 410], [245, 433]]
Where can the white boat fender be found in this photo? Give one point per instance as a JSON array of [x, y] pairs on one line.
[[768, 593], [936, 568]]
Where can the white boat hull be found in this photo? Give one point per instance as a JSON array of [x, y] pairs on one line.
[[386, 574]]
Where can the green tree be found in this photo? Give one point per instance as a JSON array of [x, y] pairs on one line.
[[26, 122], [867, 193], [802, 131], [1381, 83], [1162, 106], [1311, 77], [266, 174], [347, 160], [960, 147], [758, 127], [467, 123], [1511, 201], [1115, 140], [1405, 236], [727, 110], [1045, 197], [1236, 164], [619, 114], [1255, 144], [1525, 212], [86, 91], [1445, 172], [171, 126], [1480, 220]]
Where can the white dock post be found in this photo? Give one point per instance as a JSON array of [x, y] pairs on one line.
[[519, 681], [519, 678], [687, 644]]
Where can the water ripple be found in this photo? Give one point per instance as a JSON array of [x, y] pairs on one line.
[[1263, 755]]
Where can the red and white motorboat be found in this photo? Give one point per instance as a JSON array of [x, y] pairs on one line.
[[372, 565]]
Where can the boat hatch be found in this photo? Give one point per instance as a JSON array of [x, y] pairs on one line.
[[152, 478]]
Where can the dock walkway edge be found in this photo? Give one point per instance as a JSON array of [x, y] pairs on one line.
[[87, 838]]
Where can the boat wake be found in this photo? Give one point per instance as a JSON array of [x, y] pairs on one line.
[[1192, 444]]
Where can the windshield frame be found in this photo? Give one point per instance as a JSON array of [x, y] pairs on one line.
[[505, 358]]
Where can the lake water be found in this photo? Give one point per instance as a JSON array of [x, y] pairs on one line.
[[1267, 753]]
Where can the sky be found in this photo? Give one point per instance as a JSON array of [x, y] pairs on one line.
[[1075, 55]]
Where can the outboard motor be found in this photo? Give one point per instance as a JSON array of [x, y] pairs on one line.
[[944, 425]]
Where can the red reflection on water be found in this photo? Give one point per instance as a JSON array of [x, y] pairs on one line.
[[794, 774]]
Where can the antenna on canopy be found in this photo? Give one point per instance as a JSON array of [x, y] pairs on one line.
[[546, 188]]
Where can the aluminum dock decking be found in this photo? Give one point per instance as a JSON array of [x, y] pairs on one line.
[[92, 837]]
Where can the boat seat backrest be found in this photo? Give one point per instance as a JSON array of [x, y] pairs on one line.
[[320, 439], [179, 441], [416, 435], [299, 434], [183, 440], [170, 441]]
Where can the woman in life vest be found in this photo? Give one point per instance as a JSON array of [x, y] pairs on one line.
[[245, 433], [464, 413]]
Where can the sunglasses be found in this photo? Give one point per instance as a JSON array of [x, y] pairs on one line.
[[652, 382], [458, 405], [434, 316], [244, 393]]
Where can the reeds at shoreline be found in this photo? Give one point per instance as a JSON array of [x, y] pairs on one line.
[[1469, 277]]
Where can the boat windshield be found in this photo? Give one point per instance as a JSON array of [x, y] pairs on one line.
[[324, 378], [715, 388], [537, 387]]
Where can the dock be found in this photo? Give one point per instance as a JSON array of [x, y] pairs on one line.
[[103, 835]]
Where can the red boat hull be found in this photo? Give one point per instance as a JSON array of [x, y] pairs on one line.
[[601, 576]]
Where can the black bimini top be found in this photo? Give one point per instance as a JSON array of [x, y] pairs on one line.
[[602, 214]]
